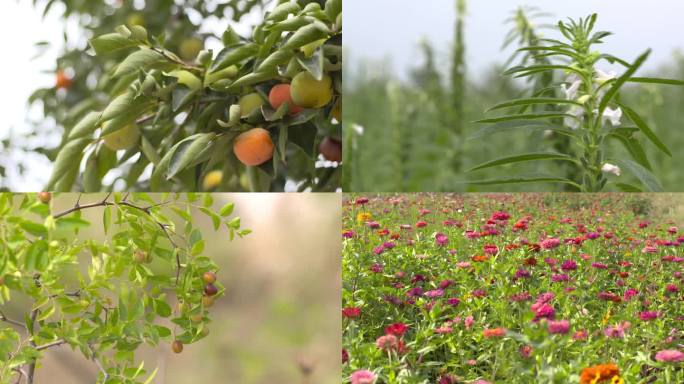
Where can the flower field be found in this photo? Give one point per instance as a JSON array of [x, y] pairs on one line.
[[501, 288]]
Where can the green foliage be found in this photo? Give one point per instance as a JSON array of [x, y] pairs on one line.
[[104, 299], [148, 67], [423, 127], [592, 92]]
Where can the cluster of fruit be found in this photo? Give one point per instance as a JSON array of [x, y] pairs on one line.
[[208, 298]]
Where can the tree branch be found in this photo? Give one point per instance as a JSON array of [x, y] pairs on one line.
[[10, 321], [126, 203], [32, 365], [50, 345]]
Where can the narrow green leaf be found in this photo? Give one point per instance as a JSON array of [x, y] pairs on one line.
[[621, 81], [644, 175], [523, 158], [651, 80], [524, 180], [645, 129], [528, 116], [189, 153], [533, 101]]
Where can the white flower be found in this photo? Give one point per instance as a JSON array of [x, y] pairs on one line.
[[571, 93], [574, 122], [602, 77], [610, 168], [614, 115], [358, 129]]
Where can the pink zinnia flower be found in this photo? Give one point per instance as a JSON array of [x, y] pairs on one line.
[[363, 376], [648, 315], [387, 342], [617, 331], [550, 243], [559, 326], [434, 293], [670, 356], [441, 239], [468, 322]]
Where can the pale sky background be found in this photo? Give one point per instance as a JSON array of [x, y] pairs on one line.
[[21, 26], [380, 29]]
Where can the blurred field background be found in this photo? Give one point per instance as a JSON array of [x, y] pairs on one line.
[[279, 321], [413, 86]]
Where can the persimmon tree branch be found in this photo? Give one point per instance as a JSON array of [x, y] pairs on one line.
[[10, 321], [124, 202]]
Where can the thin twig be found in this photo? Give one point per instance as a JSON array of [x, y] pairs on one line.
[[99, 364], [32, 364], [10, 321], [50, 345]]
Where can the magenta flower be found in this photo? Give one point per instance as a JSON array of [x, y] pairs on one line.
[[670, 356], [363, 376], [569, 265], [648, 315], [550, 243], [617, 331], [434, 293], [559, 326], [441, 239]]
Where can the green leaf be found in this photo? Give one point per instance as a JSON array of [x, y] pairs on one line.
[[632, 145], [527, 116], [524, 71], [143, 58], [107, 218], [216, 219], [188, 152], [227, 209], [520, 125], [641, 173], [85, 127], [523, 158], [281, 11], [641, 124], [307, 34], [234, 54], [66, 165], [186, 78], [533, 101], [651, 80], [111, 42], [621, 81], [313, 64], [162, 308], [524, 180]]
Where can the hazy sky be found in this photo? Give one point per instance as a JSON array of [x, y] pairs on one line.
[[381, 29]]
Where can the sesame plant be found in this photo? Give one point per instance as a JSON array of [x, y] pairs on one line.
[[145, 282], [511, 288], [590, 114], [155, 109]]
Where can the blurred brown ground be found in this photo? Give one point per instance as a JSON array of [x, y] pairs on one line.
[[279, 320]]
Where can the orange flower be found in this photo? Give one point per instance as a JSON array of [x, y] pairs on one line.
[[599, 373], [480, 258], [494, 332]]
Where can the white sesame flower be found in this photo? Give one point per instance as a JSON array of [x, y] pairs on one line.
[[571, 93], [358, 129], [574, 122], [602, 77], [610, 168], [614, 115]]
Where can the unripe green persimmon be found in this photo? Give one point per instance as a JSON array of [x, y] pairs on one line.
[[125, 138], [189, 48], [307, 92], [250, 102]]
